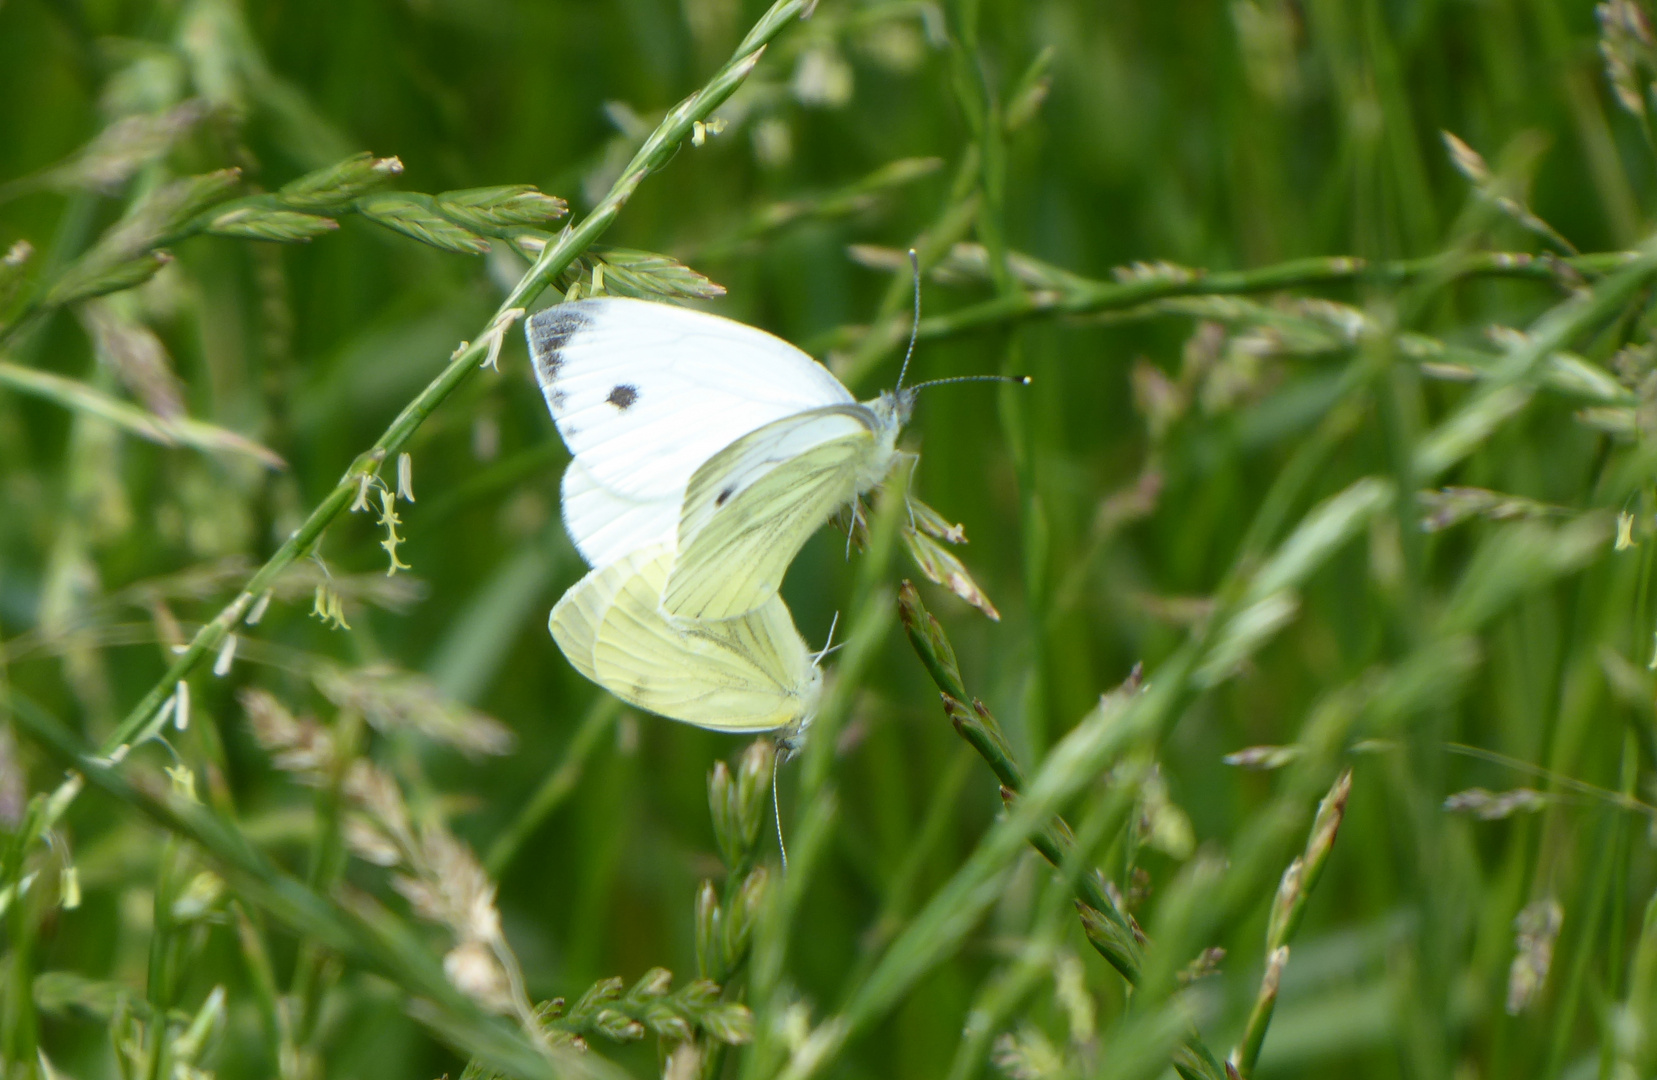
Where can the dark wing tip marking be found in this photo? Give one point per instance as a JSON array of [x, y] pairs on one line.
[[549, 331], [623, 396]]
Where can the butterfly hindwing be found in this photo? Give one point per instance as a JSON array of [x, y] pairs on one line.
[[643, 393], [751, 507], [579, 613], [605, 526], [747, 674]]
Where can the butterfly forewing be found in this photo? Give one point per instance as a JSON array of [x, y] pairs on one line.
[[643, 393], [749, 510]]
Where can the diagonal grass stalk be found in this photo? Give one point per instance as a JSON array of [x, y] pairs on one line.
[[1084, 297]]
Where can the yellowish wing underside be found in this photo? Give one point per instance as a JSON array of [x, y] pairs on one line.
[[579, 612], [747, 674], [737, 559]]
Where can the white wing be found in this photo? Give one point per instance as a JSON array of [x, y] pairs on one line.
[[605, 526], [751, 507], [643, 393], [747, 674]]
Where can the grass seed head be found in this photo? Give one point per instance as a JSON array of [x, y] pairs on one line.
[[1536, 929]]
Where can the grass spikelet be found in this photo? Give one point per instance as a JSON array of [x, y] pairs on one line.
[[396, 699]]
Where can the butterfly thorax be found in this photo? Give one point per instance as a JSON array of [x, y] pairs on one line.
[[891, 411]]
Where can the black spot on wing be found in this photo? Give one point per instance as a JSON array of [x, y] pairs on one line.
[[623, 396], [724, 495], [549, 331]]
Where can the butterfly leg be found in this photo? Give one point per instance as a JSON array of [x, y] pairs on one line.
[[857, 519]]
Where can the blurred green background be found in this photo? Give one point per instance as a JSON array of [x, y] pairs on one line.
[[1106, 504]]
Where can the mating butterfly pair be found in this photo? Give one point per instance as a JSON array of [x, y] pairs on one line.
[[704, 453]]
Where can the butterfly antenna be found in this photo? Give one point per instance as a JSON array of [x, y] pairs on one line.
[[915, 327], [776, 808], [1021, 380]]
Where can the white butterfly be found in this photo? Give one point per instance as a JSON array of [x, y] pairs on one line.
[[721, 443], [751, 673]]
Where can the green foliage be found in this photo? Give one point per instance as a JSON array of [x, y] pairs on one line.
[[1295, 694]]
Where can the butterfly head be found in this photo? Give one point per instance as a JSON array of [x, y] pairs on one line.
[[893, 408], [810, 695]]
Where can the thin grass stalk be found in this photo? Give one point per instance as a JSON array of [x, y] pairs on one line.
[[899, 898], [19, 1024], [181, 431], [1247, 1051], [981, 109], [262, 977], [26, 905], [981, 105], [1097, 297], [891, 323], [765, 967], [657, 150], [1612, 988], [166, 945], [556, 788], [1007, 989], [1589, 917], [1396, 391], [1303, 467], [1642, 604], [1633, 1020], [323, 874], [207, 754], [1288, 909]]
